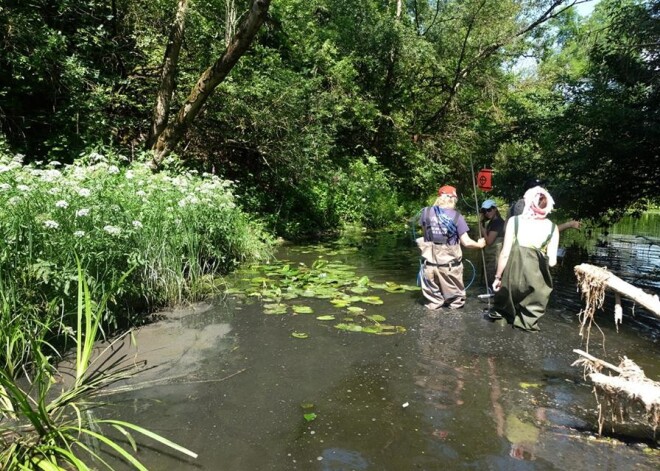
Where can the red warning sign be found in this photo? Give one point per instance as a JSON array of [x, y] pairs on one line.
[[485, 179]]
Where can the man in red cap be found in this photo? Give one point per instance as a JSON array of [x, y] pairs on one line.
[[445, 230]]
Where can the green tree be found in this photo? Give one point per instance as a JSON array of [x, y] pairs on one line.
[[166, 135], [588, 122]]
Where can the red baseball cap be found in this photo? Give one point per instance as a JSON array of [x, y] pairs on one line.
[[447, 190]]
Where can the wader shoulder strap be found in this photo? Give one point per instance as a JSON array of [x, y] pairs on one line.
[[515, 227], [547, 241]]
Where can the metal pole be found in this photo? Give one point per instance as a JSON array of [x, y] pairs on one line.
[[476, 205]]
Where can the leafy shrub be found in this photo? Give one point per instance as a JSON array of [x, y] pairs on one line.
[[174, 231], [364, 195]]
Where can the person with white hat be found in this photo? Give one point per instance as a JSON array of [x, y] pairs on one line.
[[516, 208], [523, 282], [492, 228]]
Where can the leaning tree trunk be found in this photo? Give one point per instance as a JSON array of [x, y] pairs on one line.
[[167, 140], [168, 74]]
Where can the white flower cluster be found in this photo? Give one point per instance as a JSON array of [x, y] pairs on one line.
[[112, 230]]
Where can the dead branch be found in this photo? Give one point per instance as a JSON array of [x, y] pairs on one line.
[[620, 395]]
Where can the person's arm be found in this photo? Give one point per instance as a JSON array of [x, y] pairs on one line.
[[504, 254], [552, 247], [572, 224], [467, 242], [490, 237]]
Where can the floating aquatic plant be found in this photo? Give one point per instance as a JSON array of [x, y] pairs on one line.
[[332, 280]]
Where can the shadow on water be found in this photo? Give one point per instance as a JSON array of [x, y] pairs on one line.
[[456, 391]]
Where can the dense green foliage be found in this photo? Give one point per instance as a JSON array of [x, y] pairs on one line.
[[171, 232], [332, 87], [333, 92], [588, 121]]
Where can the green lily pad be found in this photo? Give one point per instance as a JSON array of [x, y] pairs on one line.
[[378, 285], [349, 327], [410, 287], [340, 302], [326, 318], [275, 309], [299, 309], [299, 335], [258, 280], [355, 309], [395, 289], [376, 318], [358, 289], [371, 329], [371, 300], [364, 281], [309, 416]]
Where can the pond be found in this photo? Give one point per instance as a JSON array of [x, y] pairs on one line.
[[447, 390]]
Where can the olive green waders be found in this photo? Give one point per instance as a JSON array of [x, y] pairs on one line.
[[526, 285]]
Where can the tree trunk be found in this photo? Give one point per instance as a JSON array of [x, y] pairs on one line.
[[168, 74], [619, 393], [209, 80]]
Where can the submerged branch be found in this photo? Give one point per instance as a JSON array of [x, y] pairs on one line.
[[154, 382]]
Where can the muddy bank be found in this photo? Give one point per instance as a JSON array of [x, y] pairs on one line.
[[169, 349]]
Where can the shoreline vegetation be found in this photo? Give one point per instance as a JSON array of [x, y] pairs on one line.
[[128, 241]]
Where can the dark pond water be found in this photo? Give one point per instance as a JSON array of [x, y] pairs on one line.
[[455, 391]]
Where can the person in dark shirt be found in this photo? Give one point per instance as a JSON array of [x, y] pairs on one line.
[[492, 230], [445, 230]]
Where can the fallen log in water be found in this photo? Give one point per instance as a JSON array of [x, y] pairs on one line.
[[592, 282], [619, 395], [603, 276]]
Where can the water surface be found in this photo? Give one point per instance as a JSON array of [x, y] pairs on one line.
[[456, 391]]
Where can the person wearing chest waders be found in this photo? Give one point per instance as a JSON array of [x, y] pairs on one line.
[[516, 208], [492, 230], [523, 282], [445, 230]]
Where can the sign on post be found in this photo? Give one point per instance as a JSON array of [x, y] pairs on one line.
[[485, 179]]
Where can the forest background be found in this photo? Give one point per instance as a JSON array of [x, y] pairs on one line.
[[346, 111]]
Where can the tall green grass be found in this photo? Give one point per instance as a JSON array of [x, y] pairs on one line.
[[44, 429]]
